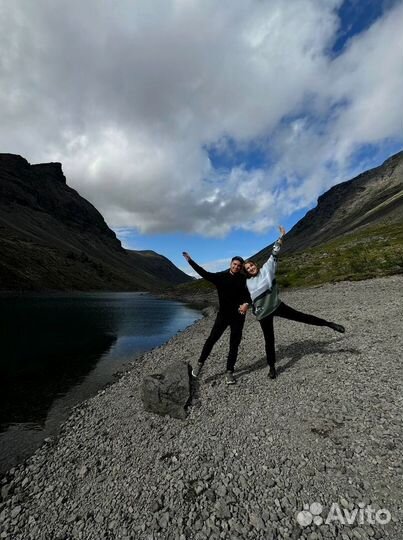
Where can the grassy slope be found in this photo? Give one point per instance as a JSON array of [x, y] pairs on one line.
[[374, 251]]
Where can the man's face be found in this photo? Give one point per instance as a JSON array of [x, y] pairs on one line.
[[236, 266]]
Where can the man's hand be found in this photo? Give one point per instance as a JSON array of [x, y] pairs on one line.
[[282, 231], [186, 255], [243, 309]]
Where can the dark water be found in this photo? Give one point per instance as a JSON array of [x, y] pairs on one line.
[[57, 350]]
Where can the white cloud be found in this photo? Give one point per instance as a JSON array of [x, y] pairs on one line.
[[128, 95]]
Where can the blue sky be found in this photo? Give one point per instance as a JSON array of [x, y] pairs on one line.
[[202, 125], [356, 16]]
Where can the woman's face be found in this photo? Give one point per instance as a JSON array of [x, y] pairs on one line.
[[251, 269]]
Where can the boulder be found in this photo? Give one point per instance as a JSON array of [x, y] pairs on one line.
[[168, 392]]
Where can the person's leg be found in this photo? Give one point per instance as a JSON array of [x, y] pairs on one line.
[[217, 331], [266, 325], [236, 325], [292, 314]]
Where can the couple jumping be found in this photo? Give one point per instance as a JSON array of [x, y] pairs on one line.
[[236, 292]]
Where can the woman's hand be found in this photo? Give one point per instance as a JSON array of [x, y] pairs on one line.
[[186, 255], [243, 309], [282, 231]]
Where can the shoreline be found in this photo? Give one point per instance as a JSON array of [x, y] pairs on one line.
[[20, 439], [247, 458]]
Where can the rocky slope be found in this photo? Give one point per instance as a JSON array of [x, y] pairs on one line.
[[373, 197], [52, 238]]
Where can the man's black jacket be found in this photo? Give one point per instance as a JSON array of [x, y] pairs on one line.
[[231, 288]]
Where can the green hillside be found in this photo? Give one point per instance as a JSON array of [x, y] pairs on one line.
[[374, 251]]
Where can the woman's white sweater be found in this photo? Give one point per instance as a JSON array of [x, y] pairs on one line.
[[263, 281]]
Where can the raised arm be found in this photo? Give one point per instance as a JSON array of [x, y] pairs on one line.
[[277, 245], [210, 276], [270, 266]]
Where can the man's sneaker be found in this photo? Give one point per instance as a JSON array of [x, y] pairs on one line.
[[196, 370], [337, 327], [229, 378], [272, 372]]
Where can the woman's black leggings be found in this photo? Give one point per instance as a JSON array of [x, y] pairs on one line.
[[286, 312]]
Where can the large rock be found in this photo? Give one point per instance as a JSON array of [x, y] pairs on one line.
[[169, 391]]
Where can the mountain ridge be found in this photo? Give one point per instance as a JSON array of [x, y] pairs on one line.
[[373, 196], [51, 238]]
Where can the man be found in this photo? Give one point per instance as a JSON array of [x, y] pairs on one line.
[[234, 300]]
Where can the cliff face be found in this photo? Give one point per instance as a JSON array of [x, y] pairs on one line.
[[373, 197], [52, 238]]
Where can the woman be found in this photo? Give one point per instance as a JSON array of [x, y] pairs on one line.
[[262, 286]]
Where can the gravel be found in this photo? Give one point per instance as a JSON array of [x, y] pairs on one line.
[[249, 458]]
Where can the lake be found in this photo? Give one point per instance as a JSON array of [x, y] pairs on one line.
[[60, 349]]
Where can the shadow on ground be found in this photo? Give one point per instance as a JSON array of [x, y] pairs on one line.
[[293, 353]]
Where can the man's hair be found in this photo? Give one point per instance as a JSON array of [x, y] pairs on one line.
[[236, 258]]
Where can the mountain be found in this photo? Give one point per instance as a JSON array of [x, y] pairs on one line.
[[373, 198], [354, 232], [51, 238]]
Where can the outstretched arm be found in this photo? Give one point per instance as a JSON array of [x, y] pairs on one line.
[[270, 265], [210, 276], [278, 243]]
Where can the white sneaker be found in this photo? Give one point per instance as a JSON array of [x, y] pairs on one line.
[[196, 370]]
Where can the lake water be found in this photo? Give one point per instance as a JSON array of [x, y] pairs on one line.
[[57, 350]]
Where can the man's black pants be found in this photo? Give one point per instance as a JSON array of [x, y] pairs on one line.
[[235, 321], [286, 312]]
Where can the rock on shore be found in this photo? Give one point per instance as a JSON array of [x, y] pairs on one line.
[[248, 458]]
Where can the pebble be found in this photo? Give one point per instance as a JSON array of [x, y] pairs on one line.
[[15, 511]]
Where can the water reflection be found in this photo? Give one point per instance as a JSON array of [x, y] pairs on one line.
[[58, 350]]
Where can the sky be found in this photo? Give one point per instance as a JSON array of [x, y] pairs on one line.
[[201, 125]]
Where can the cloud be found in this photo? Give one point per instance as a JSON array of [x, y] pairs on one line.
[[130, 96]]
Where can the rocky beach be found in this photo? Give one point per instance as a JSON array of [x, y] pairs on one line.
[[315, 454]]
